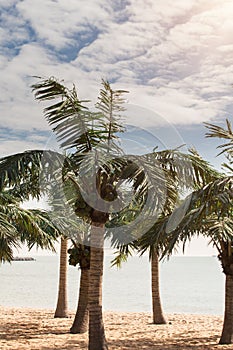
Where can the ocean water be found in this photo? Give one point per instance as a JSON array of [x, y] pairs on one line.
[[188, 285]]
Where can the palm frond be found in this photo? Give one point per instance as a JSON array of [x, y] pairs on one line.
[[71, 120], [207, 211], [8, 239], [33, 226], [225, 133], [24, 173], [110, 103]]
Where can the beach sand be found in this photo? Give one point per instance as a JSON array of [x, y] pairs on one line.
[[37, 329]]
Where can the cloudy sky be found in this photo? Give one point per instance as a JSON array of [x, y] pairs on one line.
[[174, 57]]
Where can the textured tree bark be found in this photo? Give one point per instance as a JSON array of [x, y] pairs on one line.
[[80, 324], [158, 317], [97, 340], [62, 304], [227, 331]]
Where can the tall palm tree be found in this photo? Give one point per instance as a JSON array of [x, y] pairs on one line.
[[96, 166], [62, 301], [209, 211], [122, 256], [76, 127], [158, 316], [92, 136]]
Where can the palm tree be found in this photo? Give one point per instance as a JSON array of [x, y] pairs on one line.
[[92, 135], [97, 166], [80, 254], [77, 127], [62, 302], [23, 174], [209, 211], [184, 171], [27, 174], [158, 317]]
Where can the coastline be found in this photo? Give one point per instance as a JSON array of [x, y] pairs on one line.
[[34, 329]]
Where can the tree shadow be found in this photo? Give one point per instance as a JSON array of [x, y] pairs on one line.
[[130, 339], [71, 345], [29, 330], [166, 344]]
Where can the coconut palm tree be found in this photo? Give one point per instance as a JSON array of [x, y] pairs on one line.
[[25, 174], [93, 135], [96, 157], [180, 174], [97, 167], [80, 255], [209, 211], [76, 127], [62, 301], [127, 250]]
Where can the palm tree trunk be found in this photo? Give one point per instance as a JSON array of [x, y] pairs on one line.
[[227, 331], [158, 317], [97, 340], [62, 304], [80, 324]]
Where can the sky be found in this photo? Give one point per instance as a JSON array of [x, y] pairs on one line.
[[174, 57]]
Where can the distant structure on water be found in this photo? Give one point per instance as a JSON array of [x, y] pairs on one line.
[[26, 258]]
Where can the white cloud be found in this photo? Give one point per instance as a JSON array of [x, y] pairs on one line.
[[9, 147], [175, 58], [58, 23]]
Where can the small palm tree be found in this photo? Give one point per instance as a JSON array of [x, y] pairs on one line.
[[22, 173], [209, 211], [184, 171]]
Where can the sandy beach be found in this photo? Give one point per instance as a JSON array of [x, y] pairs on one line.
[[26, 329]]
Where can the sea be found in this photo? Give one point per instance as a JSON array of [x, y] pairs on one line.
[[193, 285]]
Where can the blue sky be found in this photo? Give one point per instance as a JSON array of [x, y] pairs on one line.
[[174, 57]]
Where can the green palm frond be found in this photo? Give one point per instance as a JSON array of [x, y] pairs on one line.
[[220, 132], [71, 120], [8, 239], [73, 123], [204, 212], [216, 197], [225, 133], [155, 238], [121, 256], [25, 173], [33, 226], [219, 230], [110, 103], [18, 225], [41, 231], [22, 166], [188, 170]]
